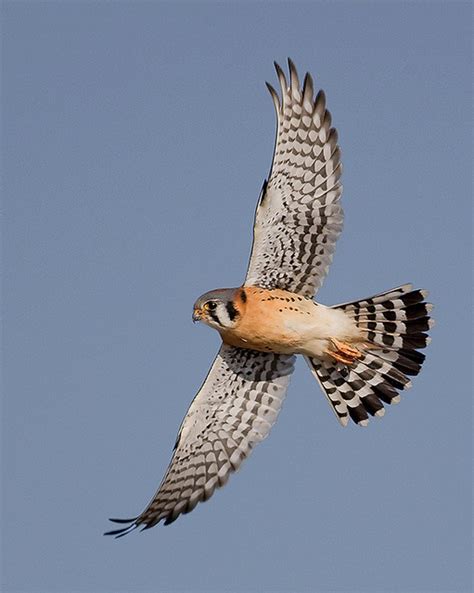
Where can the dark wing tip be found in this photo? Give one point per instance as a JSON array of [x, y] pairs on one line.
[[295, 83], [123, 520], [121, 532], [308, 87], [281, 76], [270, 88], [275, 98], [279, 70], [170, 519], [320, 100], [124, 530]]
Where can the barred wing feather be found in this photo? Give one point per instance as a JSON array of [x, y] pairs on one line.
[[298, 217], [233, 411]]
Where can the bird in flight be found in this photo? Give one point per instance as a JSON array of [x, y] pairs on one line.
[[360, 352]]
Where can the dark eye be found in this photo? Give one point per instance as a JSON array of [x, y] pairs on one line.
[[211, 305]]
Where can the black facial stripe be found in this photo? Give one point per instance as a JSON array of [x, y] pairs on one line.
[[213, 316], [231, 310], [243, 296]]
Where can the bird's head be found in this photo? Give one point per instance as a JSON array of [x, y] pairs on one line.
[[221, 308]]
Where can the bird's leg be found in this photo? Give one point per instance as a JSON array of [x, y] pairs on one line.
[[344, 352]]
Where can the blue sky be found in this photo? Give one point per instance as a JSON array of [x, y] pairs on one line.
[[136, 136]]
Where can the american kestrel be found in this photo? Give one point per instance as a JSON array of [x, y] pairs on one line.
[[360, 352]]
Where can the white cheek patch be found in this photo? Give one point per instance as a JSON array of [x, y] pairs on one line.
[[223, 315]]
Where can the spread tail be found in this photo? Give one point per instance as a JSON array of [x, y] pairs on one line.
[[395, 323]]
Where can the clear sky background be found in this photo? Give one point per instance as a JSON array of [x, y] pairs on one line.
[[136, 137]]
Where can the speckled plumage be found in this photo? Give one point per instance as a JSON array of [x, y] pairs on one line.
[[360, 352], [299, 217]]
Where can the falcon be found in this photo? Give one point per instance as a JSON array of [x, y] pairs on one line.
[[361, 352]]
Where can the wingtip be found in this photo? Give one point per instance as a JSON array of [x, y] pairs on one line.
[[294, 80], [281, 75], [274, 95], [123, 520], [308, 87], [117, 533], [321, 96], [320, 102], [123, 530]]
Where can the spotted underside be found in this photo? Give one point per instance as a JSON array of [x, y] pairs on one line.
[[298, 218], [234, 410]]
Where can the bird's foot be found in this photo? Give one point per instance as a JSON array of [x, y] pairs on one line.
[[344, 352]]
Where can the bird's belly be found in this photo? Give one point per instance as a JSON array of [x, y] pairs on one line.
[[264, 337], [287, 324], [273, 324]]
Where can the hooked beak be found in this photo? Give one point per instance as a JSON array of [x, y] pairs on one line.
[[197, 315]]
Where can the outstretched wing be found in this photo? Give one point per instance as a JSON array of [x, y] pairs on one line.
[[298, 217], [234, 410]]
